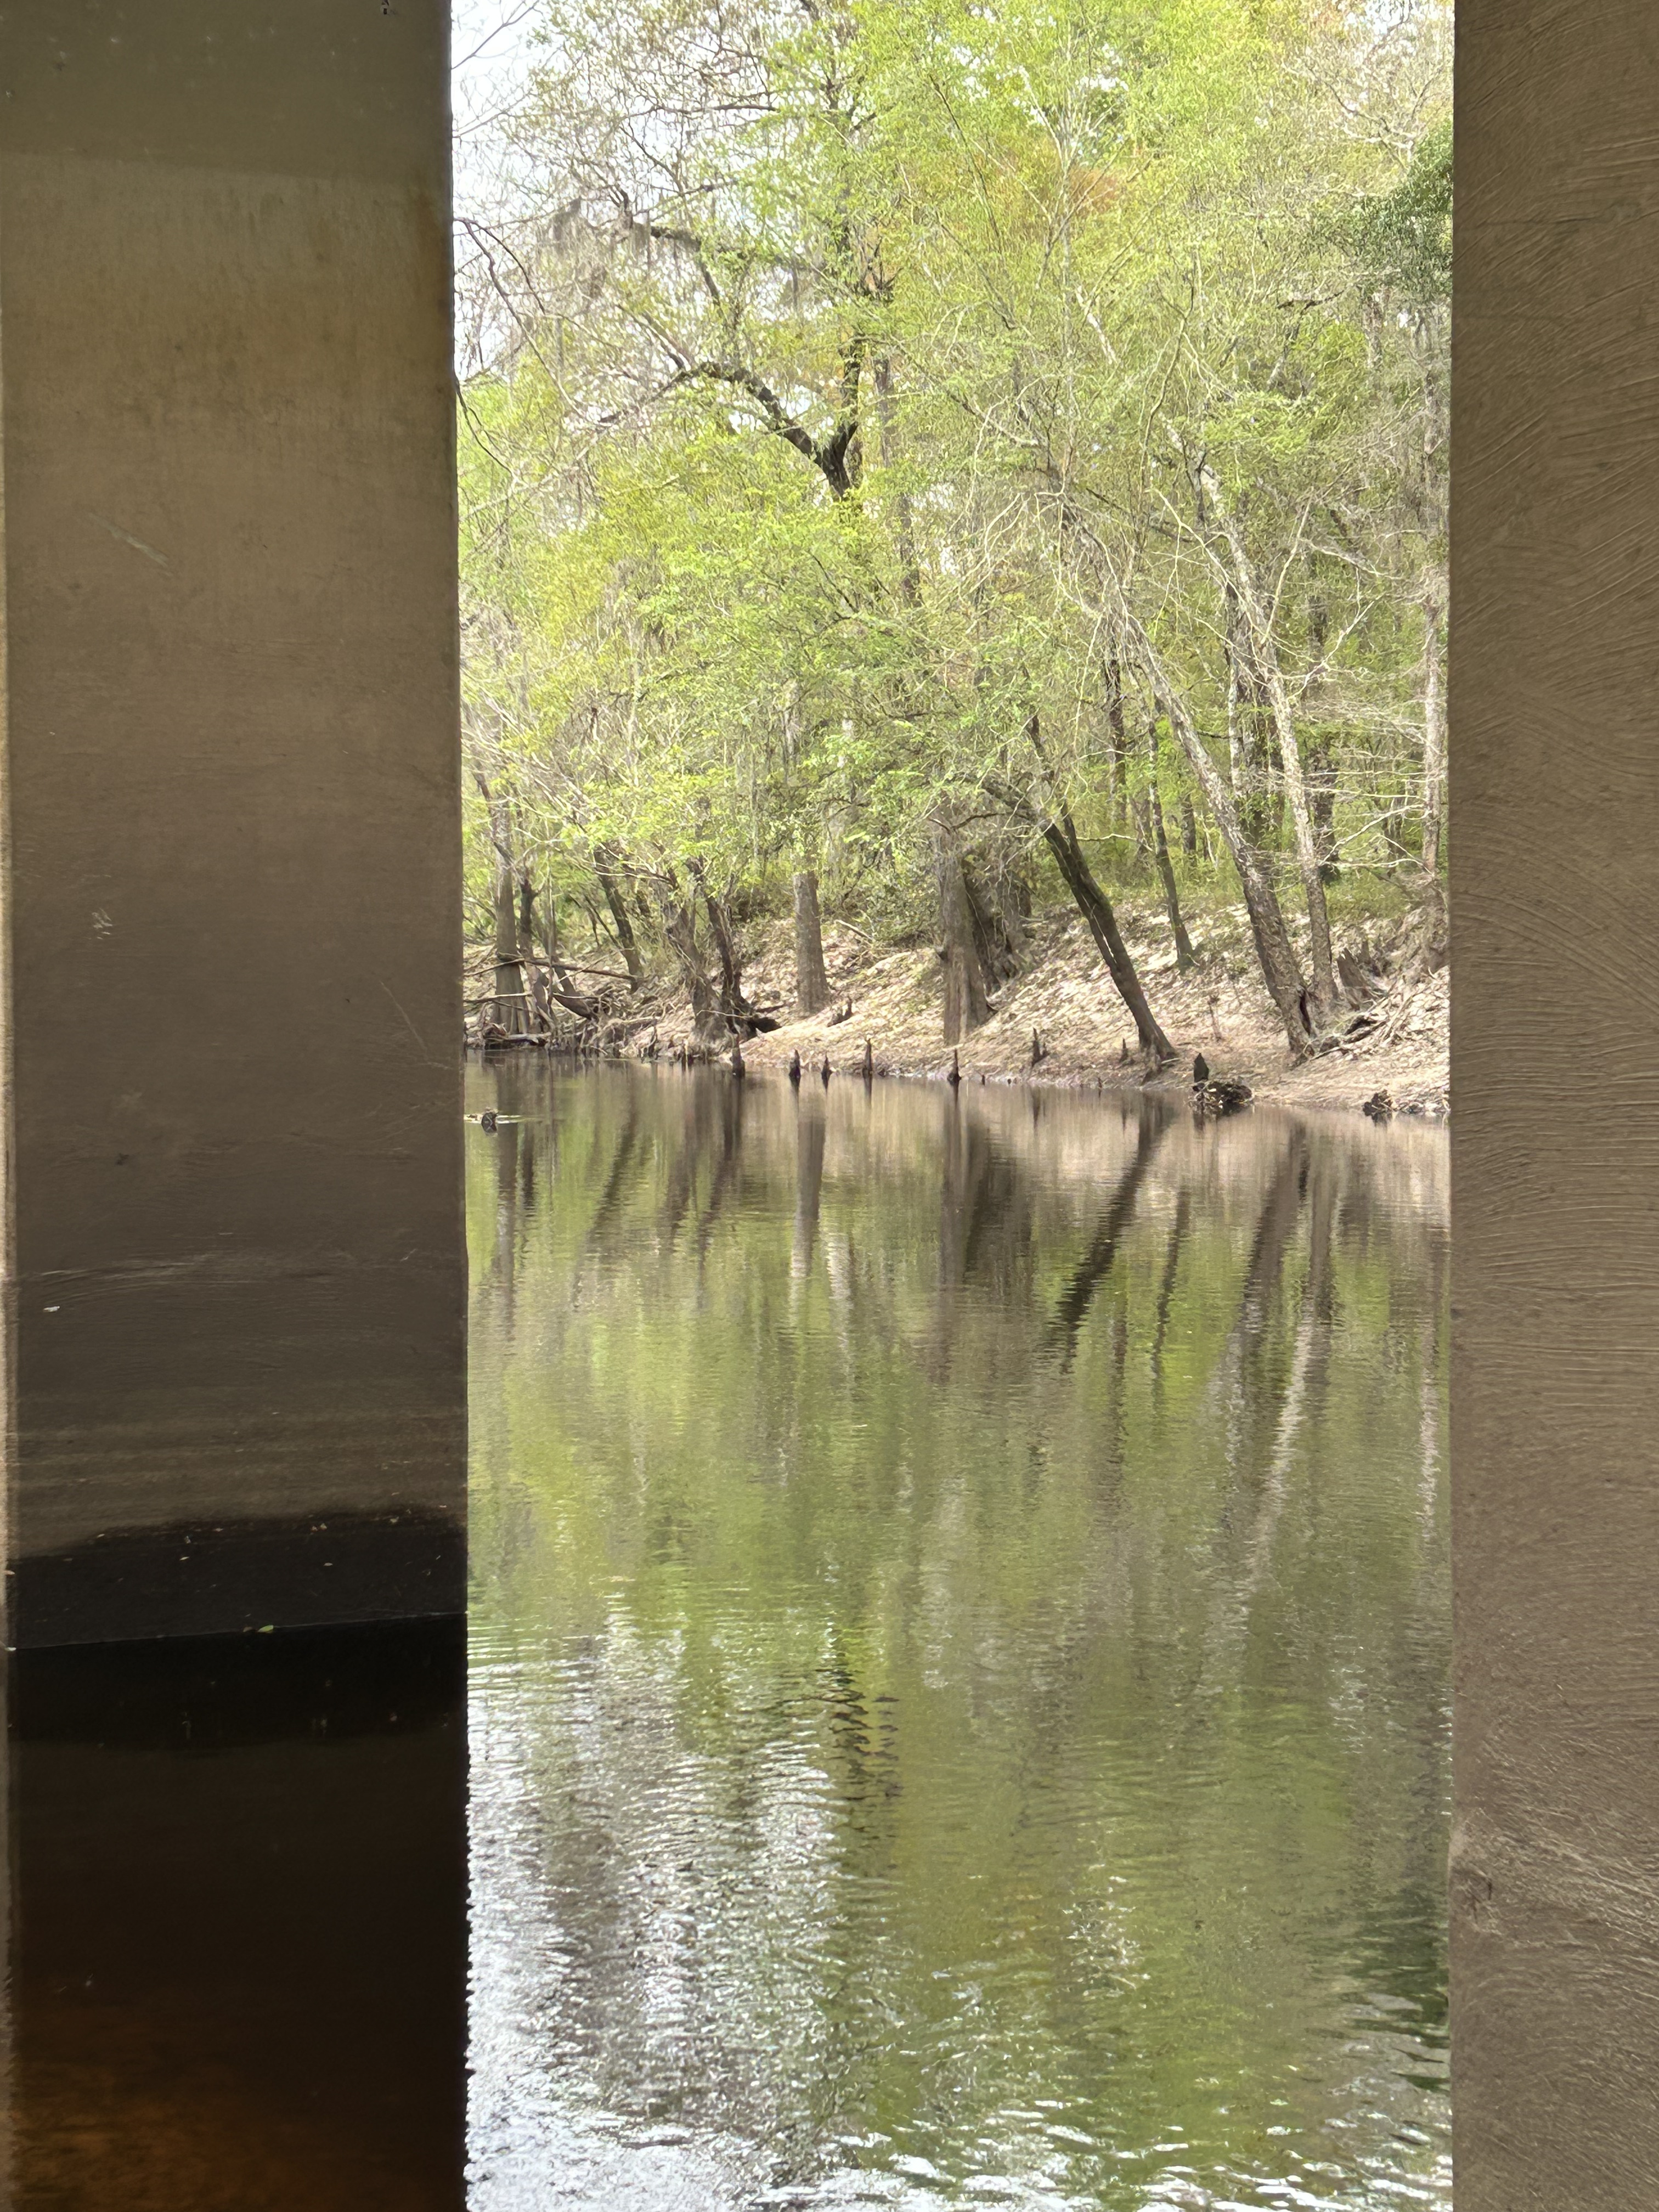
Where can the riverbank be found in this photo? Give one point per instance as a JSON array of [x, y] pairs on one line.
[[1059, 1021]]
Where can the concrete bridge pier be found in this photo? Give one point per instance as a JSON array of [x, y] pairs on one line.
[[234, 1379], [1555, 1382], [232, 839]]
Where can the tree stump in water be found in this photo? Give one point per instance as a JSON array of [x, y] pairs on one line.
[[1220, 1095]]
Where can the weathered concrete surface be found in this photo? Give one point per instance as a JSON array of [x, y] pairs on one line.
[[231, 769], [1555, 1393]]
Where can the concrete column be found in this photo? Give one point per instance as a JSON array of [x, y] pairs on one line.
[[231, 839], [238, 1970], [1555, 1393]]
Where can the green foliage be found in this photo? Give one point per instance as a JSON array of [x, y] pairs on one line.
[[856, 376], [1403, 238]]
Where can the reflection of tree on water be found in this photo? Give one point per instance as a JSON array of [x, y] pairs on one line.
[[1002, 1612], [985, 1207], [685, 1159], [732, 1098], [615, 1188], [1184, 1215], [1238, 1377], [985, 1226], [809, 1185], [1300, 1403], [1096, 1262]]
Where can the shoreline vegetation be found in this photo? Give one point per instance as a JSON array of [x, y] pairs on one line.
[[1055, 1021], [954, 513]]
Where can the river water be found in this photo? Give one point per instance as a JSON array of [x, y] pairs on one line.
[[959, 1666]]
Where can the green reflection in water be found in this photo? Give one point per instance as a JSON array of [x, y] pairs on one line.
[[960, 1649]]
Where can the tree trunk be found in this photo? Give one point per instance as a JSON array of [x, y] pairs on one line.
[[1265, 654], [550, 947], [511, 1006], [1434, 756], [734, 1005], [1014, 914], [905, 533], [1322, 791], [811, 982], [679, 928], [993, 941], [1249, 752], [1118, 802], [604, 867], [1060, 835], [1184, 944], [1280, 969], [511, 1009], [1188, 826], [966, 1006], [538, 1009]]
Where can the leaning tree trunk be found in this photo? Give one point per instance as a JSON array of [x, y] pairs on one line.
[[604, 867], [966, 1006], [1265, 654], [1060, 833], [1280, 969], [1184, 944], [511, 1006], [811, 981]]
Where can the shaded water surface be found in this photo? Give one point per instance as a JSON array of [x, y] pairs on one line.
[[238, 1923], [959, 1650]]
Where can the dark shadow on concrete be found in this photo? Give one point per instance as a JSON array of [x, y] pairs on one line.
[[200, 1577]]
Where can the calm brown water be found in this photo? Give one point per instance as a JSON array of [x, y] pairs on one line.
[[959, 1665]]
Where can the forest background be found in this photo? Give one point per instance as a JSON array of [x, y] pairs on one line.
[[964, 480]]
